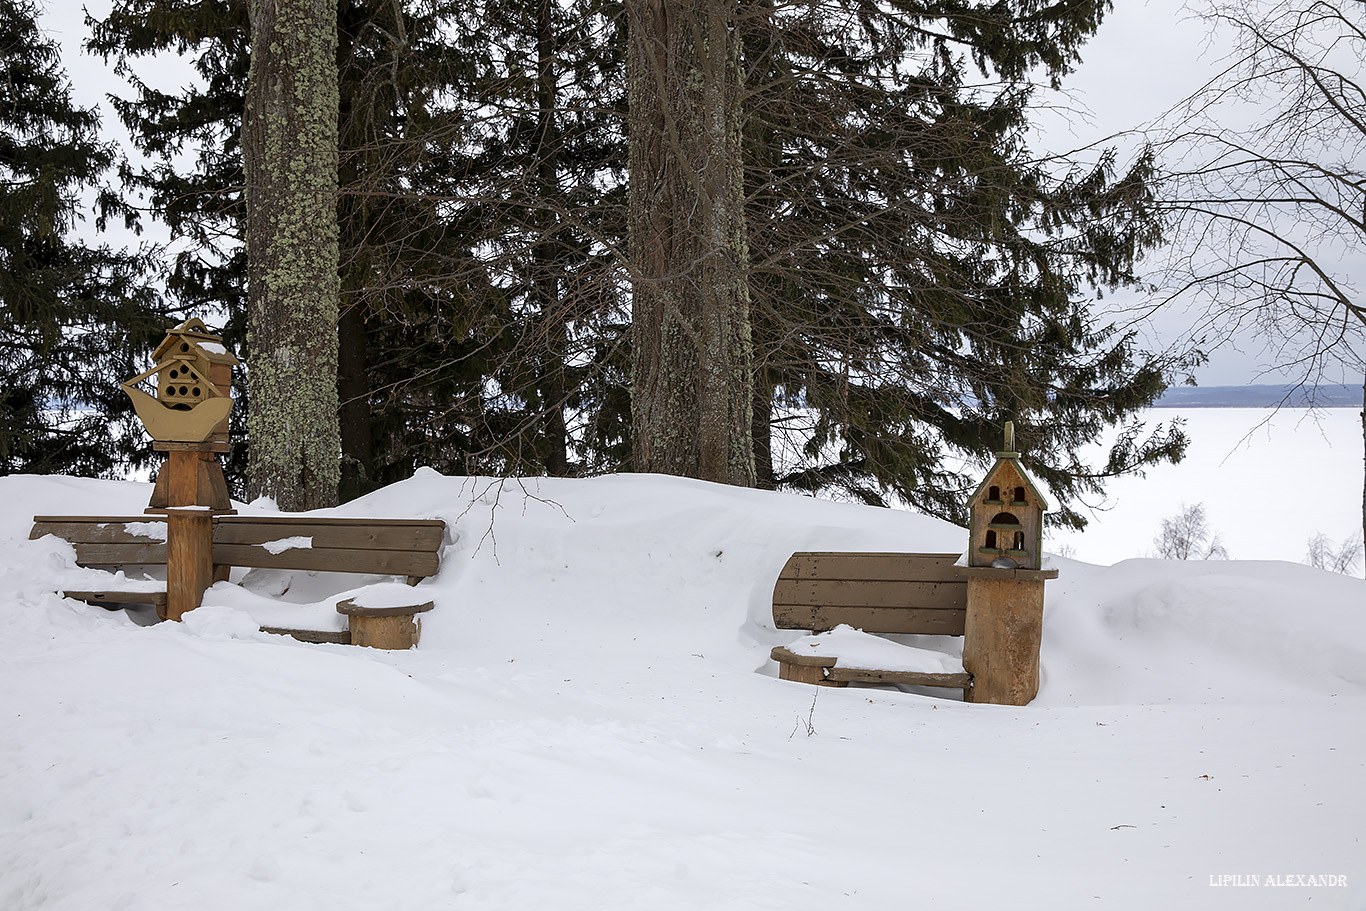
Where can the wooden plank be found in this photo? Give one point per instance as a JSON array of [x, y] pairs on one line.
[[113, 597], [878, 567], [99, 519], [337, 560], [783, 655], [871, 619], [914, 678], [388, 536], [108, 531], [336, 637], [851, 593], [120, 554], [325, 520]]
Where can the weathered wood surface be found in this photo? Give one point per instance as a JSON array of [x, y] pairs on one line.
[[104, 540], [1003, 636], [913, 678], [352, 609], [872, 567], [157, 598], [93, 529], [120, 554], [367, 535], [400, 547], [876, 592], [871, 619], [827, 671], [395, 627], [803, 668], [871, 593], [189, 560], [783, 654], [336, 637], [328, 559]]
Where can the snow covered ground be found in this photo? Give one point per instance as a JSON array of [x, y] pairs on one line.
[[591, 722]]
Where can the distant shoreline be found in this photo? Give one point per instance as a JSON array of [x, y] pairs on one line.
[[1262, 396]]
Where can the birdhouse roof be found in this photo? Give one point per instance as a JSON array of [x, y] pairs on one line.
[[195, 332], [1012, 457]]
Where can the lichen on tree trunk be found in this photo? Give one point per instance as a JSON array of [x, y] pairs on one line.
[[692, 369], [289, 152]]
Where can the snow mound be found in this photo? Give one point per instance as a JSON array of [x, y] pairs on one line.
[[855, 648], [592, 721]]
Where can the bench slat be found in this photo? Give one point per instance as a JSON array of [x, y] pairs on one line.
[[336, 637], [112, 597], [120, 554], [871, 619], [856, 593], [874, 567], [330, 559], [915, 678], [368, 536], [324, 520], [82, 531]]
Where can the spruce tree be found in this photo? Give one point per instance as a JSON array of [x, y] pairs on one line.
[[919, 276], [449, 237], [76, 318]]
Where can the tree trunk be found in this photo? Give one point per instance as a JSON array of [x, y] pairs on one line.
[[1363, 483], [764, 477], [353, 391], [692, 383], [289, 154], [545, 259]]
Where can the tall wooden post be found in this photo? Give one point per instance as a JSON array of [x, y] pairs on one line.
[[190, 490], [189, 559], [1003, 632]]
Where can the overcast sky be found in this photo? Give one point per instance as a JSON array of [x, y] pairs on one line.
[[1146, 57]]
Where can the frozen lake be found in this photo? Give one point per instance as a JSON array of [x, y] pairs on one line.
[[1268, 480]]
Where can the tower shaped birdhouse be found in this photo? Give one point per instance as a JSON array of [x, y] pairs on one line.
[[193, 387], [1006, 524]]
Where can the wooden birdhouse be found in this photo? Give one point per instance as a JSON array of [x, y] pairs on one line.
[[1006, 525], [194, 387]]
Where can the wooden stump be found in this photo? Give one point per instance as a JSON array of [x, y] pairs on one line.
[[384, 627], [1003, 633]]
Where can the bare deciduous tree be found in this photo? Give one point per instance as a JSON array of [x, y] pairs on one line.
[[1187, 536], [1267, 182], [1343, 558]]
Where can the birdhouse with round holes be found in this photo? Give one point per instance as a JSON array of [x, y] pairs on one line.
[[1006, 525], [193, 387]]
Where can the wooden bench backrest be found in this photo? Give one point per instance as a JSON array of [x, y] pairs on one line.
[[105, 540], [400, 547], [877, 593]]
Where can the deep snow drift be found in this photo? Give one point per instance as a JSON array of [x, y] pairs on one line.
[[592, 722]]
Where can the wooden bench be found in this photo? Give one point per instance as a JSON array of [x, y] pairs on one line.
[[915, 594], [390, 547]]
